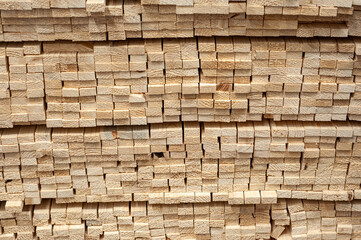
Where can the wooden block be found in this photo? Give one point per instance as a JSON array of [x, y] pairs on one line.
[[252, 197], [95, 6]]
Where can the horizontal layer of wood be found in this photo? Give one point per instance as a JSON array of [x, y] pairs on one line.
[[136, 82], [139, 220], [100, 20], [107, 7], [199, 6], [287, 219], [108, 163]]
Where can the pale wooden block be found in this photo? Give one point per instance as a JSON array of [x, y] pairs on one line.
[[277, 231], [337, 195], [268, 197], [156, 198], [202, 197], [141, 197], [252, 197], [236, 198], [357, 194], [95, 6], [314, 195], [344, 4], [65, 193], [220, 197], [40, 4], [255, 10], [14, 206], [284, 194], [77, 4]]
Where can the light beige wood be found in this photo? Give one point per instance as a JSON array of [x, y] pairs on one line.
[[99, 20], [136, 82], [240, 163], [287, 219]]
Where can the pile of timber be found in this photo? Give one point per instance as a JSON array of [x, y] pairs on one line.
[[136, 82], [180, 119], [288, 219], [100, 20], [205, 161]]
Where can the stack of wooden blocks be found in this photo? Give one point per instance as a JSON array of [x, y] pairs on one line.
[[180, 119]]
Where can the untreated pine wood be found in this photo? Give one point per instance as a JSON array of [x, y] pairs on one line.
[[25, 80], [241, 163], [99, 20], [165, 135], [136, 82], [286, 219]]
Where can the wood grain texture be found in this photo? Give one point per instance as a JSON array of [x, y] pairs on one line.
[[309, 160], [100, 20], [136, 82], [287, 219], [180, 119]]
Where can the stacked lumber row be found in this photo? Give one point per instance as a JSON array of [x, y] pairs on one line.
[[136, 82], [99, 20], [138, 220], [64, 21], [251, 18], [254, 7], [316, 220], [288, 219], [108, 7], [112, 163]]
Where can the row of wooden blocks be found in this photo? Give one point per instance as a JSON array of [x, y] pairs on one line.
[[253, 7], [138, 220], [163, 189], [120, 28], [108, 7], [130, 19], [171, 198], [96, 163], [258, 3], [317, 220], [286, 136], [286, 219], [222, 79]]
